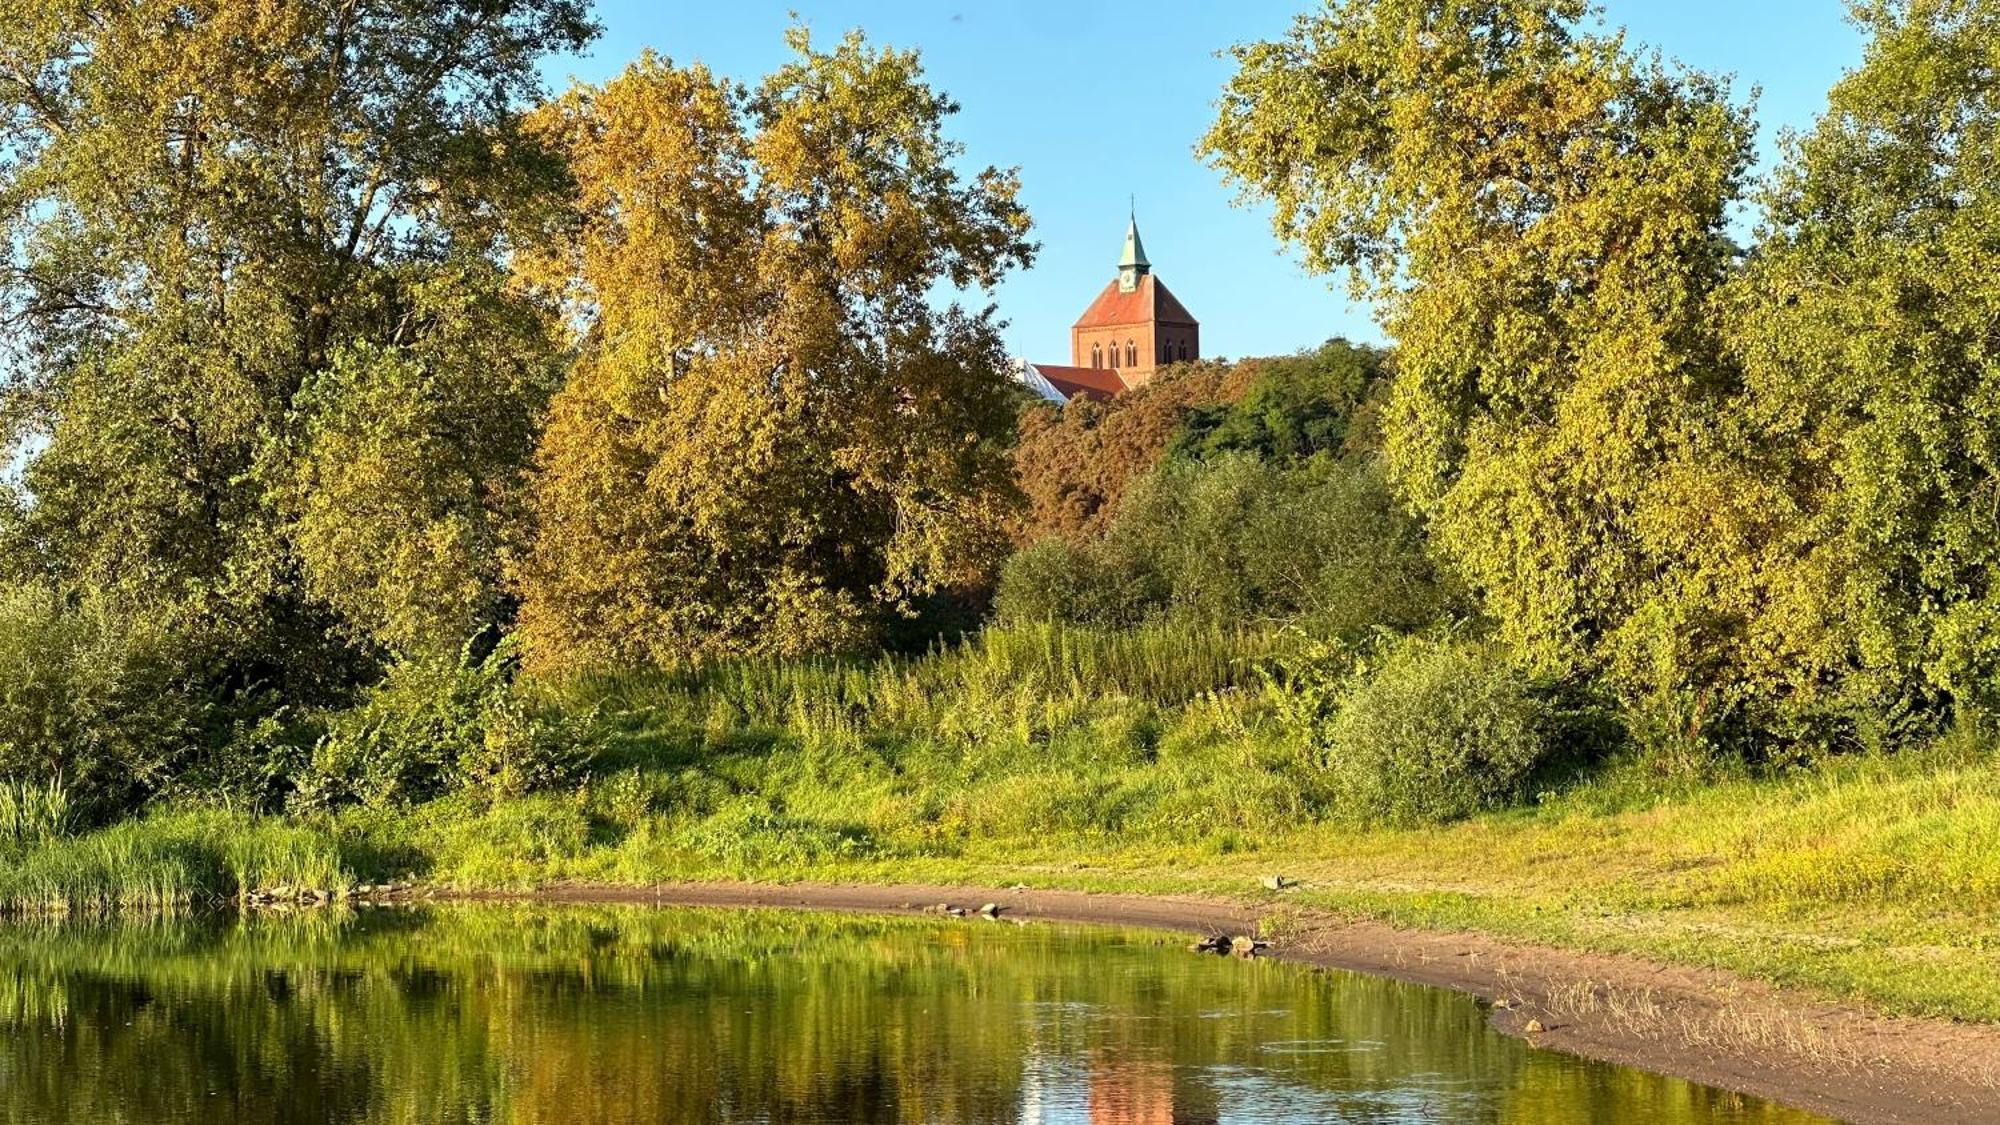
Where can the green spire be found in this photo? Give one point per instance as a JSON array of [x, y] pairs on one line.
[[1134, 257], [1132, 265]]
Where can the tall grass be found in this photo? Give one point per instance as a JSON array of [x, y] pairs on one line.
[[1018, 734], [32, 814], [170, 861], [1162, 664]]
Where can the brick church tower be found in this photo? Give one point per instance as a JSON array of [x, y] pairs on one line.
[[1135, 327]]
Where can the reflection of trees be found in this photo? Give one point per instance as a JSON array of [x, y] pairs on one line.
[[1552, 1088], [531, 1015]]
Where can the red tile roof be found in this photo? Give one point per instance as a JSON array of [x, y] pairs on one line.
[[1085, 382], [1147, 303]]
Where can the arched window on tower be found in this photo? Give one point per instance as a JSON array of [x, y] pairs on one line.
[[1183, 350], [1166, 351], [1097, 355], [1131, 354], [1114, 355]]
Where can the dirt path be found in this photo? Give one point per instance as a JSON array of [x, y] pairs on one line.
[[1707, 1026]]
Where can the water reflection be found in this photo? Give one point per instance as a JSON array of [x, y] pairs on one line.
[[629, 1015]]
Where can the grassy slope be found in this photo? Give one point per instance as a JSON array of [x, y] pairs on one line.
[[1154, 763]]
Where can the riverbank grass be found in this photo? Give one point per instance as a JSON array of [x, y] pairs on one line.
[[1155, 761]]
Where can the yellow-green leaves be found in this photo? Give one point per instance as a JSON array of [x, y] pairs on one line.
[[773, 437], [1763, 484], [1866, 327], [1538, 213], [230, 228], [408, 475]]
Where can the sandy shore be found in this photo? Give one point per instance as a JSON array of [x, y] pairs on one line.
[[1706, 1026]]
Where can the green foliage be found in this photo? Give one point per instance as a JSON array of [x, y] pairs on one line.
[[291, 301], [1092, 583], [1235, 539], [748, 833], [433, 725], [513, 842], [268, 397], [1539, 212], [33, 814], [1269, 506], [401, 741], [93, 699], [170, 860], [1322, 401], [1751, 494], [1864, 324], [1430, 731], [1032, 734], [411, 462], [526, 745], [1324, 544]]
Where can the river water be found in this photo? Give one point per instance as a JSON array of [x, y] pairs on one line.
[[623, 1015]]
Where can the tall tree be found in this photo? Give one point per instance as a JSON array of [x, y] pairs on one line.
[[1538, 212], [1869, 328], [236, 231], [774, 437]]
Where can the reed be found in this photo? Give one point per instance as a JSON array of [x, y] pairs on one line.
[[170, 861], [32, 814]]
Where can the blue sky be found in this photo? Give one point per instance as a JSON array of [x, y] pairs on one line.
[[1098, 100]]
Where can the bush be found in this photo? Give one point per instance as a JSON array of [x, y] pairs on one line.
[[1437, 730], [1092, 584], [1321, 401], [525, 746], [434, 725], [91, 696], [399, 744], [1234, 540]]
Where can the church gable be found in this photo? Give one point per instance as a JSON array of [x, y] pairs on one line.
[[1133, 328]]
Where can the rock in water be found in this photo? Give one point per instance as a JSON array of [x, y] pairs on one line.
[[990, 910]]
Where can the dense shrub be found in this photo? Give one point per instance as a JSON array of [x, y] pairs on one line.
[[1238, 539], [1436, 730], [1092, 583], [1327, 400], [524, 746], [1235, 540], [91, 695], [433, 725]]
